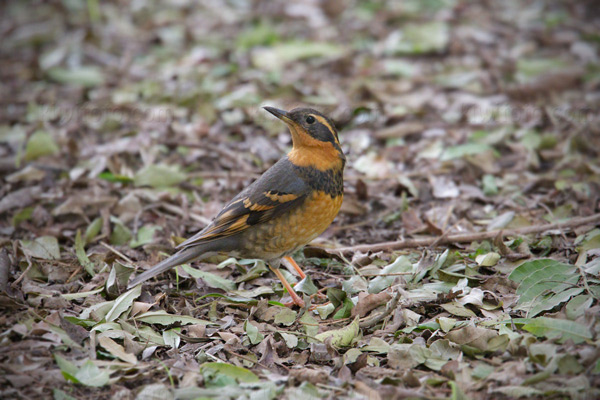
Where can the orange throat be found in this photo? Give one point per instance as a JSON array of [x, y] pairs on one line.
[[316, 157], [310, 152]]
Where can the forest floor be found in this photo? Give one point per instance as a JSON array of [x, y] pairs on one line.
[[465, 261]]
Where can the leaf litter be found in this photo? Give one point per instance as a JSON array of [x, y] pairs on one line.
[[464, 263]]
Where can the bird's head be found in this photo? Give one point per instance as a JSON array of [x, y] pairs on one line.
[[315, 139]]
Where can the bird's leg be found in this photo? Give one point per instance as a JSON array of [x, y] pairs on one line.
[[295, 298], [295, 266]]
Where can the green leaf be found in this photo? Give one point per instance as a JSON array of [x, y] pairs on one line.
[[86, 323], [463, 150], [109, 176], [67, 368], [401, 264], [40, 144], [253, 333], [234, 299], [286, 316], [144, 333], [490, 187], [487, 260], [578, 305], [123, 303], [419, 38], [548, 302], [238, 373], [44, 247], [82, 256], [399, 68], [558, 328], [258, 270], [457, 393], [97, 311], [120, 234], [310, 324], [252, 293], [93, 230], [341, 337], [591, 242], [22, 215], [86, 76], [517, 392], [106, 326], [278, 56], [307, 286], [211, 279], [336, 296], [90, 375], [262, 33], [482, 371], [346, 310], [446, 323], [117, 278], [60, 395], [116, 350], [291, 341], [377, 345], [543, 284], [458, 309], [354, 285], [159, 176], [144, 235], [325, 310], [172, 338], [80, 295], [163, 318], [528, 69]]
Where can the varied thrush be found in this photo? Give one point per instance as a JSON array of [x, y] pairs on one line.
[[292, 203]]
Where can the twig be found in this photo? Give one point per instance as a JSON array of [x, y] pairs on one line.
[[117, 252], [390, 274], [29, 265], [580, 260], [372, 321], [465, 237], [246, 358]]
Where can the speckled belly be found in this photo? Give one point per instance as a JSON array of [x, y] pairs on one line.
[[285, 234]]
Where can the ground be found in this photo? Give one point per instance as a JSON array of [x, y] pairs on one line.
[[464, 262]]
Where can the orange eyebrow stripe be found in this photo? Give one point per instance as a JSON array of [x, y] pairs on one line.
[[327, 125]]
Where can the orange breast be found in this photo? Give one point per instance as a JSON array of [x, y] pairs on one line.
[[294, 229]]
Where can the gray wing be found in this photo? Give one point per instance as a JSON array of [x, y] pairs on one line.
[[278, 191]]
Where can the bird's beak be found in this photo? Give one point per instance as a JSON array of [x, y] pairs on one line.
[[281, 114]]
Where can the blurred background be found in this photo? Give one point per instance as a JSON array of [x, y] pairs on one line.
[[135, 121], [436, 100]]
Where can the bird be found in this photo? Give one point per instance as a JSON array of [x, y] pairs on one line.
[[287, 207]]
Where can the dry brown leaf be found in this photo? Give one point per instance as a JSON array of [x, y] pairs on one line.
[[368, 302]]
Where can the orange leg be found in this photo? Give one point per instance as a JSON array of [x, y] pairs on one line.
[[295, 298], [296, 267]]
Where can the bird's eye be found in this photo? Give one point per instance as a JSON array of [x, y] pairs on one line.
[[310, 119]]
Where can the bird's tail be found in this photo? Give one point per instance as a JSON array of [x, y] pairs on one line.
[[181, 257]]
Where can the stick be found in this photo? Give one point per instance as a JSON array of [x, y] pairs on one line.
[[374, 320], [466, 237], [117, 252]]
